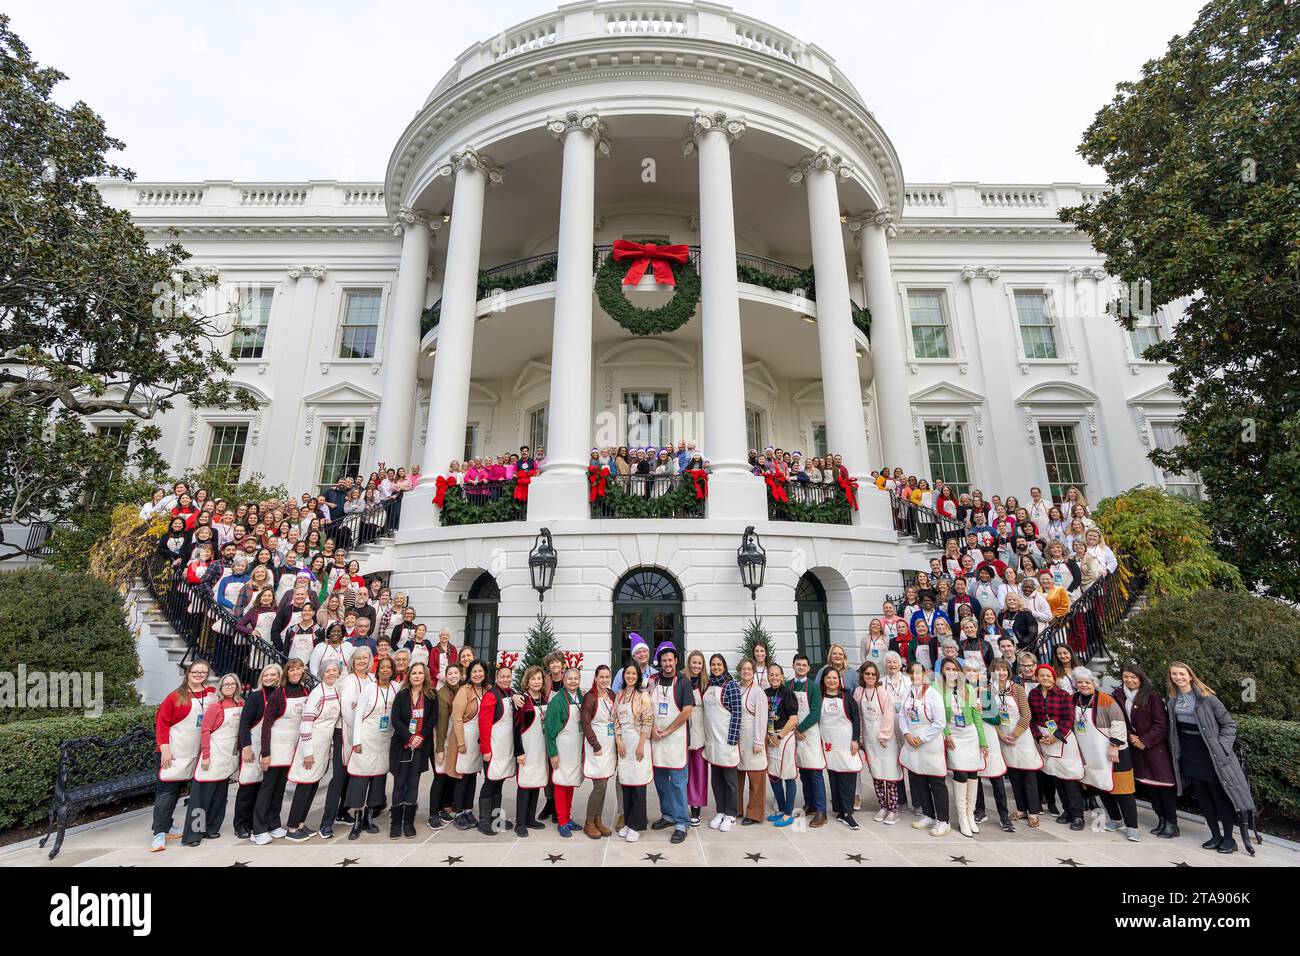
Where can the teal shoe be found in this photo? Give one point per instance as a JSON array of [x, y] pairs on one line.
[[784, 821]]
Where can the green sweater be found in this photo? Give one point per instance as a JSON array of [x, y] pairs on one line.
[[969, 709], [814, 703], [557, 715]]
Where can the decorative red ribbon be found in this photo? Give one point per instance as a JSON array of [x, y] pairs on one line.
[[648, 255], [442, 484], [596, 478], [850, 486], [776, 486], [522, 480], [701, 479]]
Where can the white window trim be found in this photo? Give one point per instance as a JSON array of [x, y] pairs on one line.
[[674, 407], [381, 330], [1087, 459], [966, 427], [762, 424], [1137, 361], [948, 303], [527, 437], [1169, 422], [336, 418], [276, 290], [1066, 355]]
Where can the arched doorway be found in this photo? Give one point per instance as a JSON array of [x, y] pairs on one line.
[[481, 625], [812, 620], [649, 602]]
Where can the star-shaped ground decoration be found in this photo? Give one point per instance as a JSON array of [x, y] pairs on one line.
[[555, 857], [755, 857], [240, 863], [855, 857], [453, 860], [1068, 861], [959, 859], [653, 857], [1180, 863], [348, 861]]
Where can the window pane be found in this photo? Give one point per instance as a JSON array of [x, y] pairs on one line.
[[1168, 437], [754, 428], [647, 419], [929, 328], [947, 448], [1143, 337], [1036, 330], [254, 315], [471, 441], [820, 448], [227, 448], [1061, 456], [360, 325], [342, 452], [538, 421]]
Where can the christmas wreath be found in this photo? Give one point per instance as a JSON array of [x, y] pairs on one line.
[[671, 266]]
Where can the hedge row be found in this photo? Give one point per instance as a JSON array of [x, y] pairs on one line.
[[1273, 752]]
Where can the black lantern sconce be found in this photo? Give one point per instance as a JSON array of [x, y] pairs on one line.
[[752, 559], [541, 563]]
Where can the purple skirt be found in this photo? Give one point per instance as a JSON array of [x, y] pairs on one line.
[[697, 779]]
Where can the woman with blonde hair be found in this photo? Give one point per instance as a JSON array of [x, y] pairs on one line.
[[697, 768], [218, 762]]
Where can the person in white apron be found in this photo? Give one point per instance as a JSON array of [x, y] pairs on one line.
[[251, 748], [496, 734], [841, 734], [880, 742], [331, 650], [259, 620], [320, 718], [178, 732], [875, 645], [922, 752], [697, 768], [468, 758], [782, 719], [721, 741], [444, 749], [356, 676], [1102, 732], [752, 745], [442, 656], [809, 755], [1019, 752], [1052, 724], [218, 763], [533, 768], [634, 721], [415, 722], [564, 748], [281, 723], [674, 703], [372, 732], [599, 753], [964, 739], [762, 661]]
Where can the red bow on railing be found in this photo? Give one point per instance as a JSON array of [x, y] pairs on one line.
[[776, 486], [442, 484], [850, 486], [596, 478], [701, 479], [522, 480], [648, 255], [573, 659]]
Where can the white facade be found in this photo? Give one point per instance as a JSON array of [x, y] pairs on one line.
[[683, 123]]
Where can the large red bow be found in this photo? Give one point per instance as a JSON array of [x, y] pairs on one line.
[[522, 480], [442, 484], [596, 478], [701, 479], [776, 486], [647, 254], [850, 486]]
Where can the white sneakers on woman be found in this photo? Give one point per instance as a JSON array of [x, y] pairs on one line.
[[632, 835], [880, 815], [726, 824], [940, 829], [890, 819], [715, 822], [925, 823]]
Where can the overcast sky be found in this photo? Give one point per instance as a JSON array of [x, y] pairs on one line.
[[996, 91]]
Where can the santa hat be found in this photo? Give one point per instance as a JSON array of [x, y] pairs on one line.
[[637, 641], [665, 646]]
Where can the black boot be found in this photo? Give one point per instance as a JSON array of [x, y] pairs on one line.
[[485, 819], [1171, 831], [408, 821], [342, 816], [1159, 828], [395, 823], [356, 827], [368, 822]]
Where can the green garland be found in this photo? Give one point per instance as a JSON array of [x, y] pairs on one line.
[[456, 510], [673, 314], [834, 510], [680, 502]]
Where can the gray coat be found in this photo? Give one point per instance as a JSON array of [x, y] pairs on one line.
[[1219, 731]]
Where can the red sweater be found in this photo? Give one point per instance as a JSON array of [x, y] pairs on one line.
[[490, 710], [170, 713], [213, 719]]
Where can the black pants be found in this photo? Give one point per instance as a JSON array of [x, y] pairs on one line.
[[1071, 795], [338, 782], [207, 807], [244, 801], [303, 795], [165, 799], [526, 808], [270, 798], [1220, 815], [634, 804], [491, 796], [843, 786], [1165, 803], [999, 789], [365, 792], [726, 791], [1121, 806], [406, 781], [1024, 786], [1047, 789], [463, 796], [932, 793], [440, 793]]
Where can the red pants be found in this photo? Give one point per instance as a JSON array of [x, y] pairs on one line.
[[563, 804]]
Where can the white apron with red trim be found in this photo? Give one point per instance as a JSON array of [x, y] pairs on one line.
[[1061, 759], [185, 738], [668, 752], [717, 722], [503, 764], [471, 761], [250, 771], [373, 730], [882, 759], [601, 766], [875, 653], [568, 744], [837, 737], [927, 760], [300, 645], [262, 628], [995, 765], [284, 732], [327, 710], [695, 722], [1024, 753], [223, 749], [231, 594], [350, 687], [632, 772], [1094, 746], [808, 753], [965, 753], [748, 714], [536, 771], [336, 655]]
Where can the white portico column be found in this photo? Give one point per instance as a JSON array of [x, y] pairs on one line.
[[846, 431], [561, 491], [402, 340], [888, 343], [734, 491], [449, 391]]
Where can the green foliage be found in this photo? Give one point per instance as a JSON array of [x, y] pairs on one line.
[[673, 314], [679, 502], [67, 623], [488, 283], [1273, 754], [29, 757], [540, 642], [1204, 161], [117, 556], [804, 282], [755, 633], [1247, 648], [831, 510], [1168, 540], [225, 483], [457, 510]]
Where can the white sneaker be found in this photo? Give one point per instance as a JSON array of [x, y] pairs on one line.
[[924, 823], [890, 819], [715, 822], [880, 814], [279, 833], [159, 843], [726, 824], [940, 829], [622, 833], [261, 839], [633, 836], [175, 833]]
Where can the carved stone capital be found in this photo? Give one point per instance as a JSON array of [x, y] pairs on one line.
[[467, 157], [406, 217], [883, 218], [732, 126], [1086, 272], [580, 121], [822, 159], [981, 272], [309, 272]]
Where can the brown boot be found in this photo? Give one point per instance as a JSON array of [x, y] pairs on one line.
[[604, 830], [592, 830], [618, 824], [818, 820]]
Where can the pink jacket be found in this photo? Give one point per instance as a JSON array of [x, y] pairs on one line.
[[885, 699]]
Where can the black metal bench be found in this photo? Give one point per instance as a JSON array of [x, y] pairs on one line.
[[94, 771]]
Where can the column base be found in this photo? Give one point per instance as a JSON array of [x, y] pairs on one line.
[[558, 496], [418, 509], [737, 495], [874, 509]]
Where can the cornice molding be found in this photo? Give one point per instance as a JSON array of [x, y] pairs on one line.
[[822, 159], [581, 121], [374, 230]]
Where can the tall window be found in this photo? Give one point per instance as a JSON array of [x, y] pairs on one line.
[[1037, 333], [946, 445], [1146, 332], [1167, 438], [342, 452], [360, 324], [97, 486], [812, 622], [227, 448], [1061, 456], [471, 441], [481, 623], [647, 419], [754, 428], [929, 326], [538, 419], [252, 317], [820, 445]]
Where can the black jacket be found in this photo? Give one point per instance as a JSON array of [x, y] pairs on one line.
[[401, 720]]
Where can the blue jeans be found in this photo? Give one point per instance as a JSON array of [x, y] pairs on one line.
[[671, 787], [783, 791], [814, 790]]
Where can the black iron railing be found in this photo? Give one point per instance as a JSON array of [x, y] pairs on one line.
[[1095, 612], [810, 501], [356, 529], [924, 524]]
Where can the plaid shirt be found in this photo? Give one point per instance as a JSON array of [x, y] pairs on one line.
[[1057, 706], [731, 701]]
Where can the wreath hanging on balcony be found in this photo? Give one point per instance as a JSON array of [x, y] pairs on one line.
[[671, 266]]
